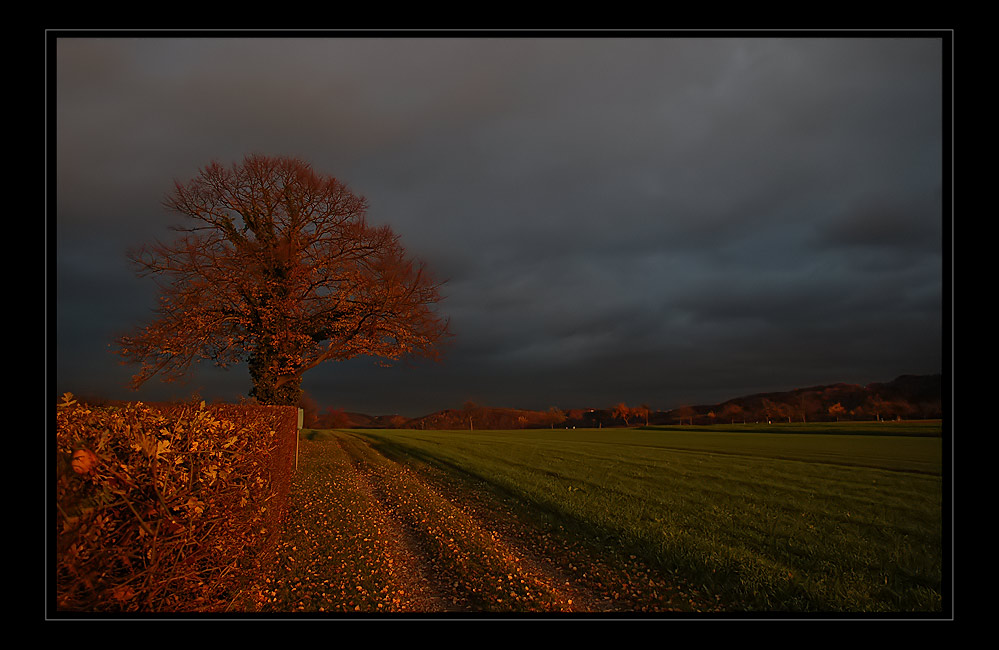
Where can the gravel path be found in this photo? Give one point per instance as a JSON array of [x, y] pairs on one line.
[[365, 534]]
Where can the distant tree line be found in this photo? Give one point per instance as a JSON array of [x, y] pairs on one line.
[[905, 398]]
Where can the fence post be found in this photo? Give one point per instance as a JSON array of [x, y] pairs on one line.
[[298, 434]]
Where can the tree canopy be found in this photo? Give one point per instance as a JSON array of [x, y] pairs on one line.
[[279, 268]]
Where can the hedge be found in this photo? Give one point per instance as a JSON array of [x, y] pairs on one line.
[[166, 508]]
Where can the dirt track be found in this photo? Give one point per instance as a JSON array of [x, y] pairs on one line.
[[366, 534]]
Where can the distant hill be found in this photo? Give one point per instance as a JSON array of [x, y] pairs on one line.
[[905, 397]]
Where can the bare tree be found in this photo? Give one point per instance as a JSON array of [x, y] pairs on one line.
[[279, 268], [623, 412]]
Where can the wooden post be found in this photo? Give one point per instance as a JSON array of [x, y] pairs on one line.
[[298, 434]]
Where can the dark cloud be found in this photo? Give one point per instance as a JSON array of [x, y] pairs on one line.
[[638, 219]]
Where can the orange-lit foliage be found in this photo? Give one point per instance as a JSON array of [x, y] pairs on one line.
[[334, 418], [280, 269], [685, 412], [622, 411], [556, 416], [163, 508]]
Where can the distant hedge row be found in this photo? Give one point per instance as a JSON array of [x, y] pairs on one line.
[[166, 508]]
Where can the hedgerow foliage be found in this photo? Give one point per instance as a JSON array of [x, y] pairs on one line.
[[166, 508]]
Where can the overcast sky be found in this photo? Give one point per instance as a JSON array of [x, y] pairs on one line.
[[653, 220]]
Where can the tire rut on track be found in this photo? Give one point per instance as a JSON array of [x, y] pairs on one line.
[[470, 560], [416, 566]]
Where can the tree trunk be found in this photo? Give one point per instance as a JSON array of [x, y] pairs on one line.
[[269, 387]]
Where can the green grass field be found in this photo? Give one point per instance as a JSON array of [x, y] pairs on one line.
[[801, 518]]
